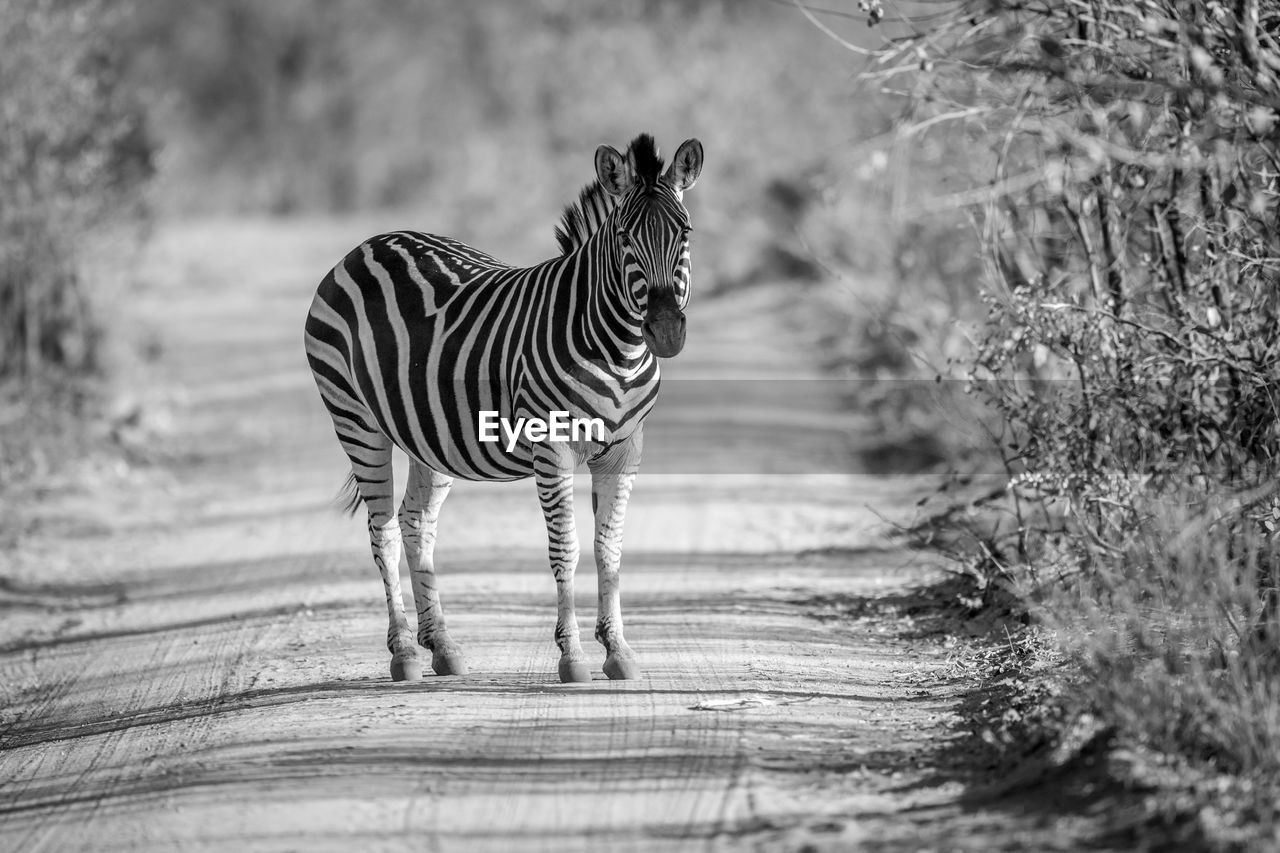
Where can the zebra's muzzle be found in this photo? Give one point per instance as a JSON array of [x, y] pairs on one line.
[[663, 329]]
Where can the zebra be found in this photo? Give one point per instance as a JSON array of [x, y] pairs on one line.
[[412, 337]]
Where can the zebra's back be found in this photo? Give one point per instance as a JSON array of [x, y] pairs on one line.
[[400, 313]]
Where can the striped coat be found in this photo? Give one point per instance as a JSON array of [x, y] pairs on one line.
[[412, 338]]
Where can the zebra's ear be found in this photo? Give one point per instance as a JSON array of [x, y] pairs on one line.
[[685, 166], [613, 171]]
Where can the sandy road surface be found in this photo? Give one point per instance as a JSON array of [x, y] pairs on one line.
[[192, 651]]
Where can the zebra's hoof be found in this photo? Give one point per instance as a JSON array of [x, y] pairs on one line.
[[574, 671], [448, 662], [406, 669], [620, 668]]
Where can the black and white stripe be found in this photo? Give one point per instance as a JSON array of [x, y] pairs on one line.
[[411, 336]]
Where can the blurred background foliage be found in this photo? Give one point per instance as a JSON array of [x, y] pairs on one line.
[[74, 153], [477, 120]]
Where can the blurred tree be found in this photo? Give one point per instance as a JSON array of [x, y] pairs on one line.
[[74, 151], [293, 106]]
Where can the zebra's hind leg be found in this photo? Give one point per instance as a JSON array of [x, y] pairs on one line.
[[370, 455], [419, 517], [553, 472], [611, 480]]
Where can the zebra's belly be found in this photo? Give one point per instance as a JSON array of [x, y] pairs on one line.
[[506, 464]]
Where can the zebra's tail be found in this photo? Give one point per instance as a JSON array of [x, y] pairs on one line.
[[348, 497]]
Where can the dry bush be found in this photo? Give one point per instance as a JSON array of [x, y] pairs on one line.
[[1132, 340], [1130, 225], [1177, 642], [74, 153]]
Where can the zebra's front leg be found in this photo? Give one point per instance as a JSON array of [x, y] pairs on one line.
[[612, 478], [419, 519], [553, 471]]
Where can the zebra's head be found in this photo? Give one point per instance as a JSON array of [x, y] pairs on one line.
[[653, 233]]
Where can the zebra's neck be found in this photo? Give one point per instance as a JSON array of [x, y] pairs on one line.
[[609, 325]]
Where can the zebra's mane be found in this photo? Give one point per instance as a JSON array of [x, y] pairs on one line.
[[584, 218], [594, 204]]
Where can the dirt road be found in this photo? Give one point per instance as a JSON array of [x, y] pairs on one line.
[[193, 647]]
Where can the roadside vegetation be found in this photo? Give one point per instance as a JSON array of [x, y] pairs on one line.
[[74, 158], [1117, 167]]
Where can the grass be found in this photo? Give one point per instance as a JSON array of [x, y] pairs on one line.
[[1177, 641], [1140, 684]]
